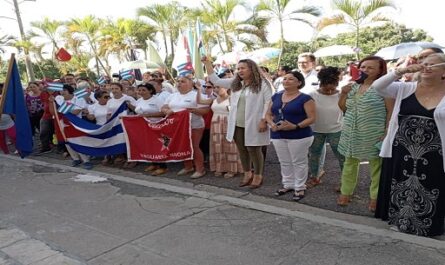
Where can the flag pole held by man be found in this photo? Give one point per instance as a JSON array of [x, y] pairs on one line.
[[13, 102]]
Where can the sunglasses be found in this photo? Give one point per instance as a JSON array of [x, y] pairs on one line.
[[106, 97]]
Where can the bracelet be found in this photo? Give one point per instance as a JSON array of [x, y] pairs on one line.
[[297, 126]]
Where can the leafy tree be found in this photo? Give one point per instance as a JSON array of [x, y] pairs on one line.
[[357, 15], [279, 10], [47, 29], [89, 27], [373, 39]]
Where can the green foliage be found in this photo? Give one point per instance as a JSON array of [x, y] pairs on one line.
[[372, 39], [46, 68]]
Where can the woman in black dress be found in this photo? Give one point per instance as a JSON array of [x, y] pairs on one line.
[[414, 141]]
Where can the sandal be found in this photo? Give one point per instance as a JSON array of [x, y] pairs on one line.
[[343, 200], [218, 174], [372, 206], [282, 191], [229, 175], [312, 182], [298, 195]]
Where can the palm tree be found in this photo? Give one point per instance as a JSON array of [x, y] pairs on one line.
[[218, 16], [279, 10], [357, 15], [6, 41], [89, 27], [48, 29], [163, 17]]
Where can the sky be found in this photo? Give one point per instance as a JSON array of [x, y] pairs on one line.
[[414, 14]]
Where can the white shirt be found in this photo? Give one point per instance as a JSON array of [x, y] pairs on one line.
[[99, 112], [278, 84], [6, 122], [311, 82], [166, 86], [113, 104], [329, 118], [178, 102], [147, 106], [79, 103], [163, 96]]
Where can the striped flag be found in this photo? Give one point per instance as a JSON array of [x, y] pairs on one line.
[[66, 107], [55, 86], [127, 74], [184, 69], [92, 139], [101, 80], [80, 93], [182, 61]]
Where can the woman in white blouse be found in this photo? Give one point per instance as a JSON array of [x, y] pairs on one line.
[[249, 102], [112, 105], [185, 98], [149, 106]]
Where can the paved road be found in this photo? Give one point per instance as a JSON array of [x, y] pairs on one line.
[[46, 217]]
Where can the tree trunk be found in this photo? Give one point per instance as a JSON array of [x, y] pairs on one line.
[[281, 43]]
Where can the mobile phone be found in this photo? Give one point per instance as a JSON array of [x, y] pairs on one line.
[[361, 78]]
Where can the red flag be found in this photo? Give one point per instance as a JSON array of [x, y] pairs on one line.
[[166, 141], [63, 55]]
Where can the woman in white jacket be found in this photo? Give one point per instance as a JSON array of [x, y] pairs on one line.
[[249, 102], [414, 141]]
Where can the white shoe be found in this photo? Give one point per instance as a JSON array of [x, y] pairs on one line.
[[184, 171], [198, 175]]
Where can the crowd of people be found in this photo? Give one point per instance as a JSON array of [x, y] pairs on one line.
[[391, 118]]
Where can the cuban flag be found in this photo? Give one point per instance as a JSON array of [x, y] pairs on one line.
[[92, 139], [81, 93], [127, 74], [184, 69], [101, 80], [182, 61], [55, 86], [66, 107]]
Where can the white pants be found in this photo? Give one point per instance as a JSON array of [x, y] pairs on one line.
[[293, 157], [76, 155]]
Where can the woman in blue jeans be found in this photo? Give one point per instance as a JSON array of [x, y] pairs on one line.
[[328, 123]]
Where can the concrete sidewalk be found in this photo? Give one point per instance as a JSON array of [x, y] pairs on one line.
[[126, 220]]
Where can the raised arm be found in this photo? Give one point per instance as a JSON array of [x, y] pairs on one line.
[[227, 82], [385, 85]]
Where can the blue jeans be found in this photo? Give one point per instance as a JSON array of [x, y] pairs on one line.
[[315, 151]]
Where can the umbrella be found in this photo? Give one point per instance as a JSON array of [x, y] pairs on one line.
[[334, 50], [264, 54], [139, 64], [404, 49], [231, 57]]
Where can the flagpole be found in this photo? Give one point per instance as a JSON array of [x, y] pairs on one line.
[[6, 84]]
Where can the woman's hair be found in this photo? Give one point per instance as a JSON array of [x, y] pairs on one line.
[[149, 87], [441, 56], [382, 64], [100, 93], [33, 83], [329, 75], [255, 84], [300, 78], [68, 88], [117, 84]]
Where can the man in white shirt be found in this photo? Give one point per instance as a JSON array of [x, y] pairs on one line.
[[306, 64], [278, 83]]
